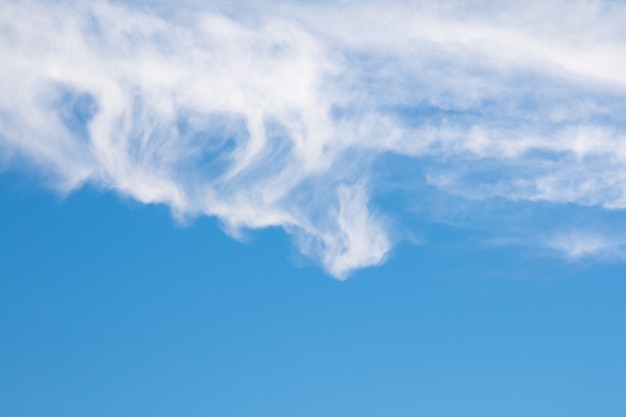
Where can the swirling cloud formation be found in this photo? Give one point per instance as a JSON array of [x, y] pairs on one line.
[[284, 115]]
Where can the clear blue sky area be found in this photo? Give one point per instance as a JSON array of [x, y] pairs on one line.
[[108, 308]]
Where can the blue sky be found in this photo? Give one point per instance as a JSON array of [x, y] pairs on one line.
[[312, 209], [108, 307]]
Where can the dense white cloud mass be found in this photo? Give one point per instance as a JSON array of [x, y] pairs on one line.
[[280, 115]]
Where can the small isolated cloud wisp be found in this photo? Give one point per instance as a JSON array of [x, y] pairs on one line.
[[580, 244]]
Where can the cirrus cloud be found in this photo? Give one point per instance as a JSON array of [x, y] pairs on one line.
[[280, 115]]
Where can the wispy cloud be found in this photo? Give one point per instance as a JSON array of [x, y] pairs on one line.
[[278, 115], [579, 244]]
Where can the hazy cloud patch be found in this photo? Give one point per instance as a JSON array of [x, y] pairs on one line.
[[267, 115]]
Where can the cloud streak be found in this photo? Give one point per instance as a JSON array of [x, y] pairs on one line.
[[280, 115]]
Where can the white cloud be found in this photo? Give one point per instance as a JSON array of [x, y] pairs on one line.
[[578, 244], [274, 114]]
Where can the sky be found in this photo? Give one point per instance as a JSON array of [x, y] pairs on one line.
[[312, 208]]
